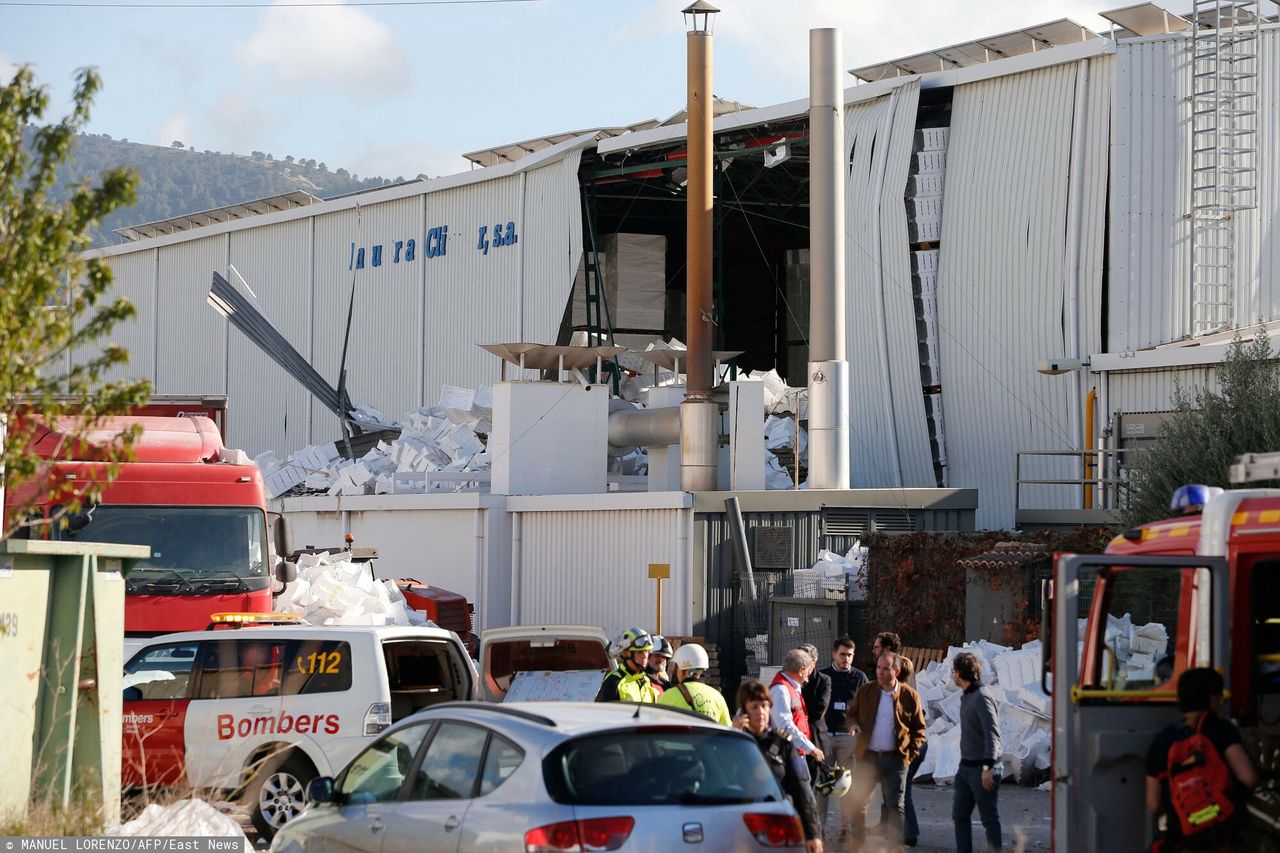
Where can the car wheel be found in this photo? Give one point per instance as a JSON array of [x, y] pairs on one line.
[[277, 794]]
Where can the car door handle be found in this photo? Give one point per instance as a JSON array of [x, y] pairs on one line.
[[452, 823], [375, 826]]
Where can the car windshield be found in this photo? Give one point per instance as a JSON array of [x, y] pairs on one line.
[[667, 765], [194, 550], [507, 658]]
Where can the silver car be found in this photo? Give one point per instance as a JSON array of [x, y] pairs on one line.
[[549, 776]]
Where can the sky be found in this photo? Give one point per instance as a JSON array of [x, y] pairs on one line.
[[407, 89]]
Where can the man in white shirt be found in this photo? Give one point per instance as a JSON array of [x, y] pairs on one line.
[[887, 717], [788, 714]]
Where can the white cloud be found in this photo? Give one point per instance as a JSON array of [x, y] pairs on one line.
[[777, 35], [235, 123], [336, 48], [404, 159], [176, 128]]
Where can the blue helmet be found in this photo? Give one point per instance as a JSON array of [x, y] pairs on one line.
[[1193, 496]]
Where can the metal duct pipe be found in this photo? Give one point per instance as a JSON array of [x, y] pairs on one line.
[[828, 173], [644, 427], [699, 427]]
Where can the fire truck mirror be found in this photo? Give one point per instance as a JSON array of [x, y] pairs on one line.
[[286, 572]]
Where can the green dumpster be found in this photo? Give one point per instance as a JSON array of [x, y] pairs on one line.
[[61, 661]]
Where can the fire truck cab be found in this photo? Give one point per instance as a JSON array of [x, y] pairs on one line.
[[1201, 589]]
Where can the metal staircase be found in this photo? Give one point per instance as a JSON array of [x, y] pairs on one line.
[[1224, 111]]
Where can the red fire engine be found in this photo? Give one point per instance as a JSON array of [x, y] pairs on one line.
[[1206, 587], [200, 507]]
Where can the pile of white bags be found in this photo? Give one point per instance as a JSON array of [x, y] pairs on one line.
[[1013, 677], [834, 573], [446, 437], [331, 590]]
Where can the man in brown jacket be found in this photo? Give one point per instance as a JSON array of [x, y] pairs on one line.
[[887, 717]]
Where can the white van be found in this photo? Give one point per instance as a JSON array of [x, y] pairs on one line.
[[570, 660], [259, 711]]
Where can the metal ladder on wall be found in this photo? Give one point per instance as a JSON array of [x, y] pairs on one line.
[[599, 322], [1224, 110]]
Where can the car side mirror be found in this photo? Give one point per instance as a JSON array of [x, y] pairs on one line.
[[286, 572], [320, 790]]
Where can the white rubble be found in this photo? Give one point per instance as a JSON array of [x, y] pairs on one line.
[[332, 590], [444, 439], [1013, 676], [185, 817], [834, 573]]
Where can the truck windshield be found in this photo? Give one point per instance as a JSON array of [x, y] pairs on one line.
[[194, 550]]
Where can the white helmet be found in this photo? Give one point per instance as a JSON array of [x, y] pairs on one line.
[[833, 781], [692, 657]]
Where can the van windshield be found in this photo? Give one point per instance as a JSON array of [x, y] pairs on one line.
[[659, 765], [194, 550]]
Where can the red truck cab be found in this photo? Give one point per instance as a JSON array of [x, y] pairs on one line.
[[1199, 589], [199, 506]]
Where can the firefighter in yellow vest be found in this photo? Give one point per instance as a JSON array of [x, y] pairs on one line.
[[629, 682], [690, 693]]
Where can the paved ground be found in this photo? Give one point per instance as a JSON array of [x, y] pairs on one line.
[[1024, 817]]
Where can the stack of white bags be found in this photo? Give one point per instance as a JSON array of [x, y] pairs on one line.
[[332, 590], [445, 437], [1013, 677]]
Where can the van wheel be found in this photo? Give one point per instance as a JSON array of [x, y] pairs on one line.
[[277, 794]]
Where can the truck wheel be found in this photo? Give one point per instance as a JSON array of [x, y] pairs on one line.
[[277, 794]]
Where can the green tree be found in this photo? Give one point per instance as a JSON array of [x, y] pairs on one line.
[[55, 312], [1209, 428]]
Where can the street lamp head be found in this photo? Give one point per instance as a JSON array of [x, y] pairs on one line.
[[698, 16]]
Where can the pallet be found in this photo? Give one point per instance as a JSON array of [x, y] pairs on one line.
[[921, 657], [712, 676]]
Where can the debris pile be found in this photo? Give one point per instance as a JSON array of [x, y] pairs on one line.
[[1013, 677], [834, 575], [184, 818], [436, 445], [332, 590]]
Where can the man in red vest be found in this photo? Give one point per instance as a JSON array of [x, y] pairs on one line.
[[788, 713]]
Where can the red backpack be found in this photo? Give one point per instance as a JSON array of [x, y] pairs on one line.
[[1198, 781]]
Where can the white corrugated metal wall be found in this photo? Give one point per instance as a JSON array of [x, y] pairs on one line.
[[592, 564], [888, 431], [416, 324], [1002, 273], [1150, 249], [269, 260], [1153, 390]]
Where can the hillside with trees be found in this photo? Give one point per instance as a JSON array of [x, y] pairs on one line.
[[176, 180]]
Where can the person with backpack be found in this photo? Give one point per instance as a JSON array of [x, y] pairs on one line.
[[1198, 773]]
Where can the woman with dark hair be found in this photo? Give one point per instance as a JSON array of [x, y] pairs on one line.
[[754, 706]]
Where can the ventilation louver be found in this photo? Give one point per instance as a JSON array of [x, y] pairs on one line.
[[772, 547]]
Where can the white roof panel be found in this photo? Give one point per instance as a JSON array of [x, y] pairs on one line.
[[988, 49]]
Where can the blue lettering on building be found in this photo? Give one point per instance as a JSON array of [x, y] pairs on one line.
[[435, 244]]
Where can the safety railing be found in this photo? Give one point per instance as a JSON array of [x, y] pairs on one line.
[[1100, 477]]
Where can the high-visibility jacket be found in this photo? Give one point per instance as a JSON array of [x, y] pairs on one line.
[[621, 685], [706, 700]]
